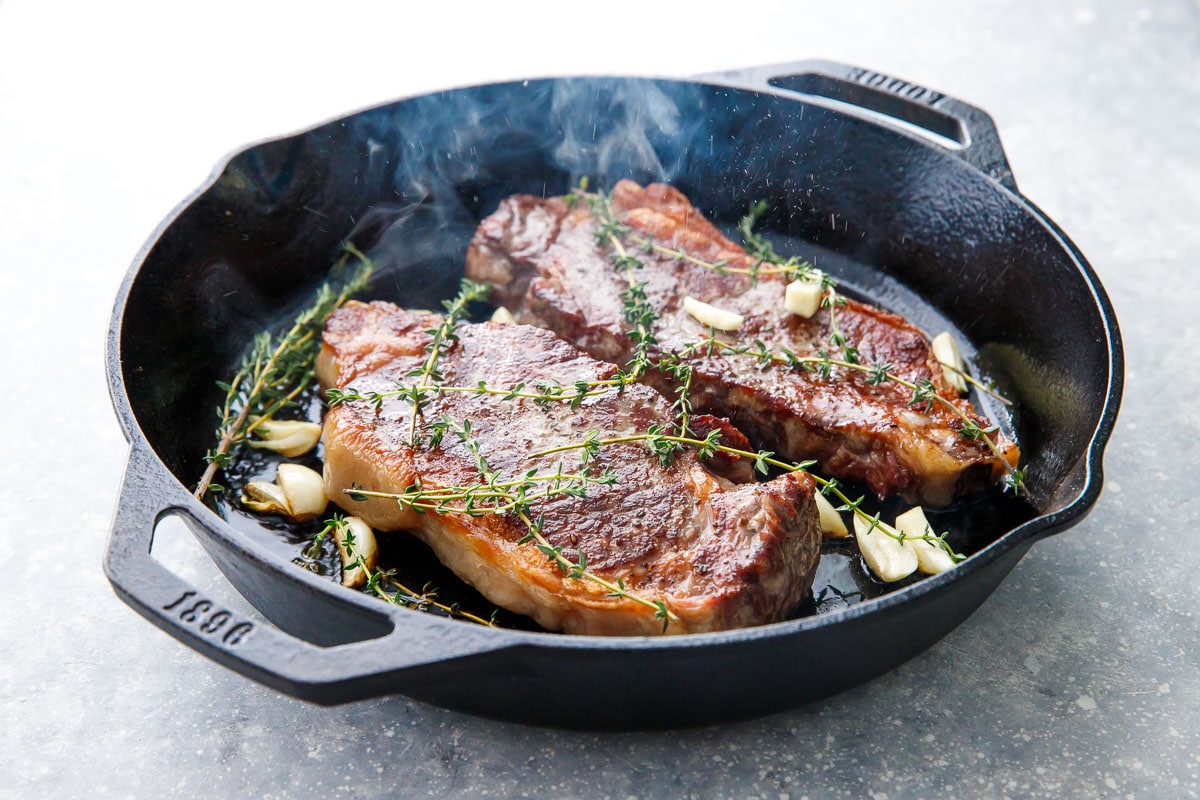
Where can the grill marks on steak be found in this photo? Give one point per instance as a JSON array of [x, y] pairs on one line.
[[721, 555], [543, 262]]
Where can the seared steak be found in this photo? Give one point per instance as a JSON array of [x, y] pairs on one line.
[[544, 262], [718, 554]]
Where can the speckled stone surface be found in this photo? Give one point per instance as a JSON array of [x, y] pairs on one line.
[[1078, 678]]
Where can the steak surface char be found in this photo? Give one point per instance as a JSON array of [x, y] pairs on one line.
[[543, 261], [720, 554]]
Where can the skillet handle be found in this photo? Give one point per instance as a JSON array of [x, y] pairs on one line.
[[418, 649], [958, 128]]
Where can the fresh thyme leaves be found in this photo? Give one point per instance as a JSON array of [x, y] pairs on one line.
[[766, 260], [277, 368], [755, 244], [833, 301], [516, 496], [665, 445], [635, 306], [383, 583], [489, 497], [681, 373], [988, 388], [612, 231], [443, 337], [638, 312], [541, 392], [578, 570], [924, 393]]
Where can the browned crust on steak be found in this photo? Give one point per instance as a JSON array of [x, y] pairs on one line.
[[542, 259], [720, 555]]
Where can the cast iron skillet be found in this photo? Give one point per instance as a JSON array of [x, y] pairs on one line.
[[871, 170]]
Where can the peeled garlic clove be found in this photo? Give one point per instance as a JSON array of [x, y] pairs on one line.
[[304, 489], [945, 350], [265, 498], [931, 559], [355, 543], [502, 314], [712, 316], [832, 524], [289, 437], [888, 559], [803, 296]]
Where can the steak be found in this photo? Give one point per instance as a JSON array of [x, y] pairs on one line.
[[546, 262], [719, 549]]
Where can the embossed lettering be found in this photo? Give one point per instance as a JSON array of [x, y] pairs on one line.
[[182, 597], [237, 633], [213, 623], [193, 613], [910, 91]]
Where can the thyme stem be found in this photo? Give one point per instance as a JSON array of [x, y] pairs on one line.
[[922, 391], [443, 336], [761, 458], [579, 570], [513, 496], [402, 595], [546, 392], [277, 371]]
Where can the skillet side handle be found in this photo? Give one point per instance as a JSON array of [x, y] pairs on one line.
[[958, 128], [253, 647]]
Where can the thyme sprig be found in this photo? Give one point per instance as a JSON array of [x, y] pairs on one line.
[[277, 369], [665, 445], [578, 570], [488, 497], [682, 374], [443, 338], [988, 388], [923, 392], [832, 301], [542, 392], [515, 496], [636, 308], [757, 246], [383, 583], [767, 261]]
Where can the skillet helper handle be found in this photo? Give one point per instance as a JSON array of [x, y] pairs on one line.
[[960, 129], [253, 647]]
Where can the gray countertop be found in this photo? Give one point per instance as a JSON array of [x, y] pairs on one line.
[[1078, 678]]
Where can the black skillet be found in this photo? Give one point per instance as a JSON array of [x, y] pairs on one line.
[[903, 192]]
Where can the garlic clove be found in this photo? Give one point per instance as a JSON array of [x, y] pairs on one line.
[[355, 543], [264, 498], [946, 351], [803, 296], [887, 558], [288, 437], [832, 524], [502, 314], [931, 559], [304, 489], [710, 315]]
